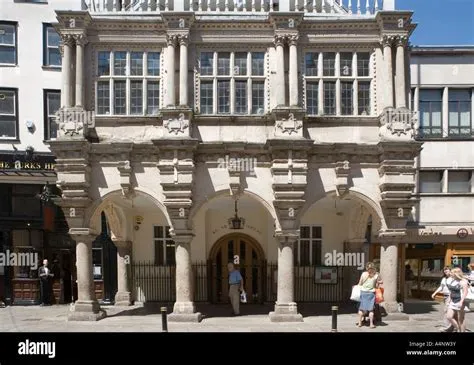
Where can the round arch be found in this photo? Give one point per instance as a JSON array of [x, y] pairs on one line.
[[225, 192], [221, 240], [374, 208]]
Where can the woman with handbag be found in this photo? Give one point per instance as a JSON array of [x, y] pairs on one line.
[[443, 288], [458, 289], [369, 281]]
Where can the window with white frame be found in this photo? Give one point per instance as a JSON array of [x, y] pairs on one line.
[[51, 41], [232, 83], [8, 113], [309, 246], [164, 246], [338, 83], [460, 112], [430, 110], [459, 181], [52, 100], [128, 83], [8, 46], [431, 181]]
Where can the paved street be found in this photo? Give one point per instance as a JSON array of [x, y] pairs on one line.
[[423, 317]]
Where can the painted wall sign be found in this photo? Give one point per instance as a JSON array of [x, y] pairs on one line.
[[19, 162], [462, 233]]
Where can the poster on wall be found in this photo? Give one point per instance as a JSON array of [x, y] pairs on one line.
[[325, 275]]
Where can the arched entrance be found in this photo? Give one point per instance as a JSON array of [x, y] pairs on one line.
[[248, 257]]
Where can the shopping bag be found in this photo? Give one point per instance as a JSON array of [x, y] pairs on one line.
[[379, 295], [243, 297], [355, 295]]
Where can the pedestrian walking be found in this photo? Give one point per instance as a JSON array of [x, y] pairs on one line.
[[368, 282], [46, 276], [236, 285], [409, 277], [443, 288], [458, 287]]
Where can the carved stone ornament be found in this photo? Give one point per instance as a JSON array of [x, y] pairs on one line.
[[176, 126], [290, 125], [398, 123], [342, 170], [69, 126]]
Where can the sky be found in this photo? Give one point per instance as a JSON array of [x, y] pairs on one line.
[[441, 22]]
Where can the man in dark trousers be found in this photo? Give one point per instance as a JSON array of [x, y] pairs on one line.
[[46, 276]]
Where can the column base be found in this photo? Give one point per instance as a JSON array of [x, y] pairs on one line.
[[86, 311], [123, 299], [184, 312], [285, 313], [392, 312]]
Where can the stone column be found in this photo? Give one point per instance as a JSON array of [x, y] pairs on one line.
[[184, 309], [389, 273], [170, 99], [285, 307], [387, 56], [81, 41], [183, 70], [400, 85], [280, 71], [86, 308], [67, 43], [123, 296], [293, 71]]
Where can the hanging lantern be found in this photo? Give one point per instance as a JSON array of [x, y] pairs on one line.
[[236, 222]]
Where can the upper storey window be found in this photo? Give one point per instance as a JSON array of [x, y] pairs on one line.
[[232, 83], [338, 83], [8, 44], [128, 83]]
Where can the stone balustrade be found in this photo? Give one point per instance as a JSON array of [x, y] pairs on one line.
[[317, 7]]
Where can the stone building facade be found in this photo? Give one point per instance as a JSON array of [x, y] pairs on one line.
[[175, 117]]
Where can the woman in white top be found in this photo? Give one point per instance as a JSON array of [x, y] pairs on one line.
[[443, 288], [369, 281], [458, 286], [471, 273]]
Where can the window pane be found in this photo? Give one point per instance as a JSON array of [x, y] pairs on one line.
[[153, 97], [53, 37], [363, 98], [54, 57], [311, 64], [316, 252], [120, 96], [7, 102], [329, 62], [346, 64], [258, 63], [316, 232], [159, 252], [241, 97], [363, 64], [7, 34], [240, 64], [103, 97], [207, 66], [206, 98], [53, 104], [330, 98], [7, 54], [431, 95], [304, 232], [304, 255], [153, 61], [7, 127], [223, 96], [258, 97], [170, 253], [430, 182], [120, 63], [346, 98], [158, 232], [103, 63], [223, 63], [136, 97], [136, 63], [312, 91], [459, 181], [26, 206]]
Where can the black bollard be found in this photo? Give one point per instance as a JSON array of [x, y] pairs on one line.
[[164, 320], [334, 310]]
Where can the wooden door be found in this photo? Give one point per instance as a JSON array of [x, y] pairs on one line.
[[247, 256]]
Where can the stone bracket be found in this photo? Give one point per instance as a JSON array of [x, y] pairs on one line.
[[343, 171], [125, 171]]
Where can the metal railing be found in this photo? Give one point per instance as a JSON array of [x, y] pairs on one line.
[[151, 283]]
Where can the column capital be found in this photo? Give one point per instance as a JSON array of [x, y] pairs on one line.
[[171, 40], [279, 40], [82, 233], [183, 39], [122, 244], [292, 39], [287, 238], [401, 41], [67, 39], [80, 39], [388, 40], [181, 237]]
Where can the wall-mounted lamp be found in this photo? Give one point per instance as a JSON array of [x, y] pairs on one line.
[[138, 221]]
